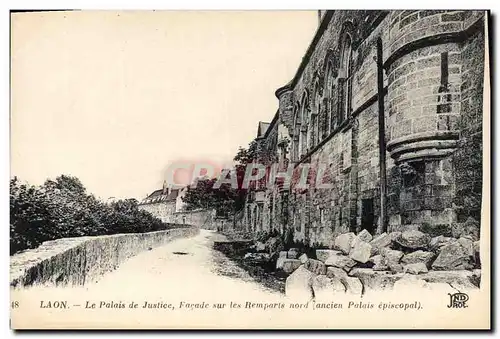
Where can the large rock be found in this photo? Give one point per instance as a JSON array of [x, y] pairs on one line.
[[392, 257], [365, 236], [315, 266], [418, 257], [379, 263], [380, 280], [468, 244], [360, 251], [290, 265], [281, 259], [381, 241], [343, 242], [375, 280], [341, 261], [322, 255], [460, 279], [293, 253], [453, 256], [470, 228], [299, 284], [396, 268], [416, 268], [353, 285], [335, 272], [414, 240], [438, 242], [303, 258], [325, 288]]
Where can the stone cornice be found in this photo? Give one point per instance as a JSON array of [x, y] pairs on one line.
[[433, 40]]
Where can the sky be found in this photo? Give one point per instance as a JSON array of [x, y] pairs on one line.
[[114, 98]]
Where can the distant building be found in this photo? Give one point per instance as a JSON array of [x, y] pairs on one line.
[[163, 203]]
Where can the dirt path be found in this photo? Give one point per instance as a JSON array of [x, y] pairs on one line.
[[169, 285], [187, 266]]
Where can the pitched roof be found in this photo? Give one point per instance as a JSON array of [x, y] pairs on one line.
[[262, 128], [158, 196]]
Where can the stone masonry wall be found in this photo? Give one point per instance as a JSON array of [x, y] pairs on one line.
[[76, 261], [162, 210], [433, 77]]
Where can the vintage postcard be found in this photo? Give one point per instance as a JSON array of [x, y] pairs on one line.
[[250, 169]]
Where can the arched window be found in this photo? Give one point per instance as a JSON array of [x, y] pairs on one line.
[[296, 132], [345, 80], [315, 114], [329, 124], [304, 113]]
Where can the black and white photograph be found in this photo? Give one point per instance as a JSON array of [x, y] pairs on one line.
[[243, 169]]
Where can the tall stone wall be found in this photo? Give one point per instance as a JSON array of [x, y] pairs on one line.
[[432, 82]]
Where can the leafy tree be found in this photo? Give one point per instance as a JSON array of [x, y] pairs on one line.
[[62, 208]]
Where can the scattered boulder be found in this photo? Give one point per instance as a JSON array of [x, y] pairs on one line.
[[315, 266], [335, 272], [299, 284], [293, 253], [453, 256], [341, 261], [343, 242], [416, 268], [469, 228], [392, 257], [257, 257], [438, 242], [325, 288], [303, 258], [468, 244], [396, 268], [381, 241], [353, 285], [418, 257], [413, 240], [322, 255], [365, 236], [375, 280], [282, 256], [360, 251], [379, 263], [460, 279], [290, 265]]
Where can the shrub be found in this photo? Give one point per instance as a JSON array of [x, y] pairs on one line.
[[62, 208]]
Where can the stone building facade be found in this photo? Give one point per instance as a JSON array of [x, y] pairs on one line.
[[164, 203], [391, 103]]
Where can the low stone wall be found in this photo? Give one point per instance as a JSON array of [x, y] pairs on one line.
[[76, 261]]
